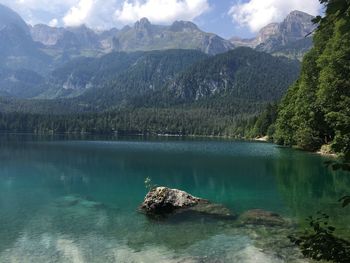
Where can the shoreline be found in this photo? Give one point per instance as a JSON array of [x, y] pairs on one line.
[[327, 152], [261, 139], [324, 151]]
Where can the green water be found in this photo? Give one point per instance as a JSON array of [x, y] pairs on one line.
[[75, 200]]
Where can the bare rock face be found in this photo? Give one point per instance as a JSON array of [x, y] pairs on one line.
[[261, 217], [163, 200]]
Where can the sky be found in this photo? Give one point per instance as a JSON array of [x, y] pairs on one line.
[[226, 18]]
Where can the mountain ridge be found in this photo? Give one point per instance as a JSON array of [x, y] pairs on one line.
[[142, 36], [275, 36]]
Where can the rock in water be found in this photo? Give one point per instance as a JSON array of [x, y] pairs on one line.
[[261, 217], [163, 200]]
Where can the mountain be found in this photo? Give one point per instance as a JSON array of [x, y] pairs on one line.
[[276, 37], [157, 94], [17, 49], [243, 80], [143, 36], [66, 38], [241, 74], [173, 77], [180, 35], [131, 72]]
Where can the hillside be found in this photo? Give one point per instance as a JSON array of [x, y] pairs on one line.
[[17, 49], [129, 73], [315, 110], [242, 74], [159, 95], [164, 78]]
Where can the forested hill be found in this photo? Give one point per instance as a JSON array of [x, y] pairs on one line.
[[241, 73], [237, 79], [316, 109], [162, 92], [118, 71]]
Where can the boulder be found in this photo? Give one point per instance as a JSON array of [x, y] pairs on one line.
[[163, 201], [261, 217]]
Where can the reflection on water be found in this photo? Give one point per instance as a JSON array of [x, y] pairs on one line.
[[74, 200], [308, 187]]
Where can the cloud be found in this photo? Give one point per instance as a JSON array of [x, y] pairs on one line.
[[53, 22], [39, 11], [103, 14], [256, 14], [161, 11], [79, 13]]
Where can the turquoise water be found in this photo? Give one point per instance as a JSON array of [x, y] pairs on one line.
[[75, 200]]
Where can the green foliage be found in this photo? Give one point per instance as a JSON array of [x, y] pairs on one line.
[[264, 125], [320, 243], [185, 120], [315, 110]]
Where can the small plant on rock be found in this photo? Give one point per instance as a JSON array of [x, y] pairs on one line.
[[149, 184]]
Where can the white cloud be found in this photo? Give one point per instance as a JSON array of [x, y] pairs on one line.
[[105, 13], [79, 13], [53, 22], [39, 11], [258, 13], [161, 11]]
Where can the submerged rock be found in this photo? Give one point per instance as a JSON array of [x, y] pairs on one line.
[[208, 208], [163, 200], [261, 217], [73, 200]]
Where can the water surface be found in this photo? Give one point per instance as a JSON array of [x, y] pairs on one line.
[[75, 200]]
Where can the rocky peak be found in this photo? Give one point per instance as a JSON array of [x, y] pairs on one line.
[[275, 36], [178, 26], [300, 14], [296, 26], [267, 31], [45, 34], [142, 24]]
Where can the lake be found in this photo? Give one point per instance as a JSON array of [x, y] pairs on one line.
[[67, 199]]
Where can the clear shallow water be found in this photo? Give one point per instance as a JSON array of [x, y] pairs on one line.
[[73, 200]]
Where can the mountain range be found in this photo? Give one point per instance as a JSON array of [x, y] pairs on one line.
[[143, 36], [144, 65]]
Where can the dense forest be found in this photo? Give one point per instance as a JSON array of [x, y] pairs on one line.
[[162, 92], [316, 109], [189, 119], [315, 112]]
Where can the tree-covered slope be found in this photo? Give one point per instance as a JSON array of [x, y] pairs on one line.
[[241, 74], [21, 83], [160, 92], [315, 110], [237, 82], [119, 75]]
